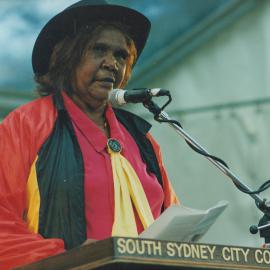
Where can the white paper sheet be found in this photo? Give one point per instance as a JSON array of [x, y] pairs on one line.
[[180, 223]]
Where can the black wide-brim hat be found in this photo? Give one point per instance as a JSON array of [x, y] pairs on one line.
[[80, 14]]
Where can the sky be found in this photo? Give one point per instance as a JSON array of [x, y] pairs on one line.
[[20, 23]]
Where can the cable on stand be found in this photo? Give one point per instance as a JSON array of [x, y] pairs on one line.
[[263, 204]]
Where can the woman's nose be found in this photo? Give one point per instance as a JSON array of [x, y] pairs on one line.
[[110, 63]]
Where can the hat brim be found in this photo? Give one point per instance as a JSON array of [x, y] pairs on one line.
[[63, 24]]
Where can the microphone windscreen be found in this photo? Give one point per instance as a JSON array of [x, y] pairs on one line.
[[116, 97]]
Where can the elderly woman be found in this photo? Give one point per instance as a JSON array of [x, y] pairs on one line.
[[72, 167]]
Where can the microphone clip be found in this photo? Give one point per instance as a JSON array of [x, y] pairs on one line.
[[263, 227], [153, 107]]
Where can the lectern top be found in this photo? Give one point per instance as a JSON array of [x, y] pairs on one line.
[[134, 253]]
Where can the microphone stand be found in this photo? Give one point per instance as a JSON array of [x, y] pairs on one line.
[[262, 204]]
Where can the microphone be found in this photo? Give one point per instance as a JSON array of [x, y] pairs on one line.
[[118, 97]]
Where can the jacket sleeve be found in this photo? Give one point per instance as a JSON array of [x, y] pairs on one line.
[[18, 146], [170, 195]]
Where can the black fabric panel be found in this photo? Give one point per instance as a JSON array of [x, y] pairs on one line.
[[138, 128], [60, 173]]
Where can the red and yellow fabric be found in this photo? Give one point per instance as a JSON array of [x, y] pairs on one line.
[[22, 134], [20, 139], [128, 191]]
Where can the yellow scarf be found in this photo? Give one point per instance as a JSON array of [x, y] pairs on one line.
[[127, 190]]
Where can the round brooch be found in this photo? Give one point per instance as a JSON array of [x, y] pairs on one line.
[[114, 145]]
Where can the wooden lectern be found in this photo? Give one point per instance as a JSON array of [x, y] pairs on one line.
[[133, 253]]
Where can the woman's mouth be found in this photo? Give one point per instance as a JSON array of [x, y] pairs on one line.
[[106, 82]]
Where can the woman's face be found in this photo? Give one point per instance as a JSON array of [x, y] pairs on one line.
[[101, 69]]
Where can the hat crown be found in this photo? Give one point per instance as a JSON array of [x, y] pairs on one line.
[[88, 3]]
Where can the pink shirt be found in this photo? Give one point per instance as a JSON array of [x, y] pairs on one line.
[[99, 189]]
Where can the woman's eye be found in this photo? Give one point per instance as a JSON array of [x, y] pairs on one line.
[[99, 49], [122, 55]]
